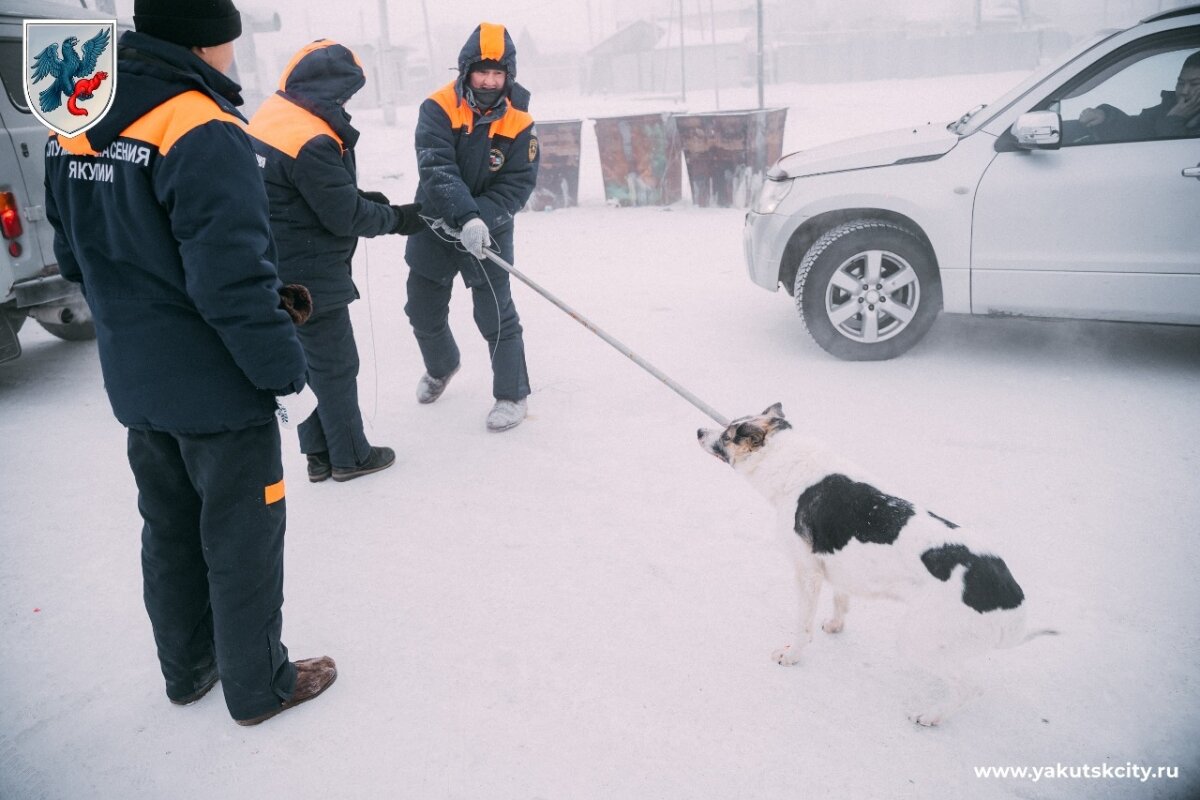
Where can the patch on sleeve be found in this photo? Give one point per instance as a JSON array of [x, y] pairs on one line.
[[533, 148]]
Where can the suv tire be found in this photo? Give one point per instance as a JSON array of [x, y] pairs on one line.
[[857, 320]]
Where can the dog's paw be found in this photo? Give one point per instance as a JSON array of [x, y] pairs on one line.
[[833, 625], [786, 656]]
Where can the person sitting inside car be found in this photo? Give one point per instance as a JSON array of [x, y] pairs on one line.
[[1177, 115]]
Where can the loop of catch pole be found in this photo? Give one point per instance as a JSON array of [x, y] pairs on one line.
[[621, 348]]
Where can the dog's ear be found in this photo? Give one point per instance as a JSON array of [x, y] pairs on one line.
[[751, 433], [774, 411]]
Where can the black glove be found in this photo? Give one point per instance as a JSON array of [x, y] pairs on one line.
[[410, 221], [296, 301], [374, 197]]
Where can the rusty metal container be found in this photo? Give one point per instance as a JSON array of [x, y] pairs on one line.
[[558, 170], [639, 159], [728, 153]]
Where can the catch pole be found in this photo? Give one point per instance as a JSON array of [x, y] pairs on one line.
[[620, 347]]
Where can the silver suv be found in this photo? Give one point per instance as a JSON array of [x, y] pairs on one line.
[[30, 285], [1075, 195]]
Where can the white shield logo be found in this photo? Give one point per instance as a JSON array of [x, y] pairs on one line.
[[70, 72]]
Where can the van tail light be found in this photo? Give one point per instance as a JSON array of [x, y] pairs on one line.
[[10, 217], [10, 222]]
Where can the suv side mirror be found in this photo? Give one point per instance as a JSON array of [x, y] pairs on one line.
[[1038, 130]]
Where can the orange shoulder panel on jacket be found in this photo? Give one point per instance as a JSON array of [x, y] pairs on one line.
[[77, 145], [165, 125], [287, 127], [457, 110], [512, 124]]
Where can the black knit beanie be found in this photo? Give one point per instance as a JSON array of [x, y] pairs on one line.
[[191, 23], [487, 63]]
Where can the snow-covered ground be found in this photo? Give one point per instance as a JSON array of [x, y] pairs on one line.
[[584, 607]]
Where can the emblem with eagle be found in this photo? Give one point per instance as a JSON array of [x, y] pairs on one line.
[[72, 73]]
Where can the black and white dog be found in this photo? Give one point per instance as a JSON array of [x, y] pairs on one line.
[[840, 527]]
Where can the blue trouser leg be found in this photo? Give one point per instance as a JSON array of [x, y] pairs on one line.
[[428, 310], [175, 575], [336, 426], [212, 560], [497, 319]]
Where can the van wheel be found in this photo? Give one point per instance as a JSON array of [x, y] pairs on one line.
[[867, 290], [71, 331]]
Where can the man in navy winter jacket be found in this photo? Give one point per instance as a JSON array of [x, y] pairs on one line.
[[305, 144], [173, 249], [477, 156]]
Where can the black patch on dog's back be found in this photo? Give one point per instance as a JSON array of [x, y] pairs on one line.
[[942, 520], [987, 584], [835, 510]]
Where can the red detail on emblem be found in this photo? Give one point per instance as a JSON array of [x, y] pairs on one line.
[[83, 91]]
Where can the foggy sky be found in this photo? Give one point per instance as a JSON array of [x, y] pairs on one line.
[[554, 24]]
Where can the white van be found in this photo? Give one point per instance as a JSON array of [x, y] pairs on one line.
[[1075, 195], [30, 285]]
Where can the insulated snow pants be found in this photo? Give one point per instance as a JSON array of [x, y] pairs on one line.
[[336, 427], [212, 561], [428, 310]]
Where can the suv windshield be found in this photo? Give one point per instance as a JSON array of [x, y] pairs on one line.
[[973, 120]]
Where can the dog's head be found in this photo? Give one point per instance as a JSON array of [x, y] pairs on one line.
[[743, 437]]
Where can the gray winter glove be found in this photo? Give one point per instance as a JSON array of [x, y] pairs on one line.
[[475, 237]]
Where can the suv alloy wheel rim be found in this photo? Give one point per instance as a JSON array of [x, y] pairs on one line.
[[872, 296]]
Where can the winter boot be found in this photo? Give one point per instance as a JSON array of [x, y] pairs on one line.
[[380, 458], [430, 388], [313, 676], [506, 414], [206, 683], [319, 467]]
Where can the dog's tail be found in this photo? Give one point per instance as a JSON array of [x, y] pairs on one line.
[[1035, 634]]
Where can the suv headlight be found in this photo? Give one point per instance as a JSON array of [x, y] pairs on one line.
[[771, 195]]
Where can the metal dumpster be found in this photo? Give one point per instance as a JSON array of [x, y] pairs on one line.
[[558, 172], [728, 153], [639, 159]]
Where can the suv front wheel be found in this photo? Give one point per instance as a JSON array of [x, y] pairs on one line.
[[867, 290]]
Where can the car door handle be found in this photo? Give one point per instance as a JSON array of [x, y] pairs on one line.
[[1191, 172]]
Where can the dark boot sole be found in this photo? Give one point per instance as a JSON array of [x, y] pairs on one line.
[[358, 473], [196, 695]]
